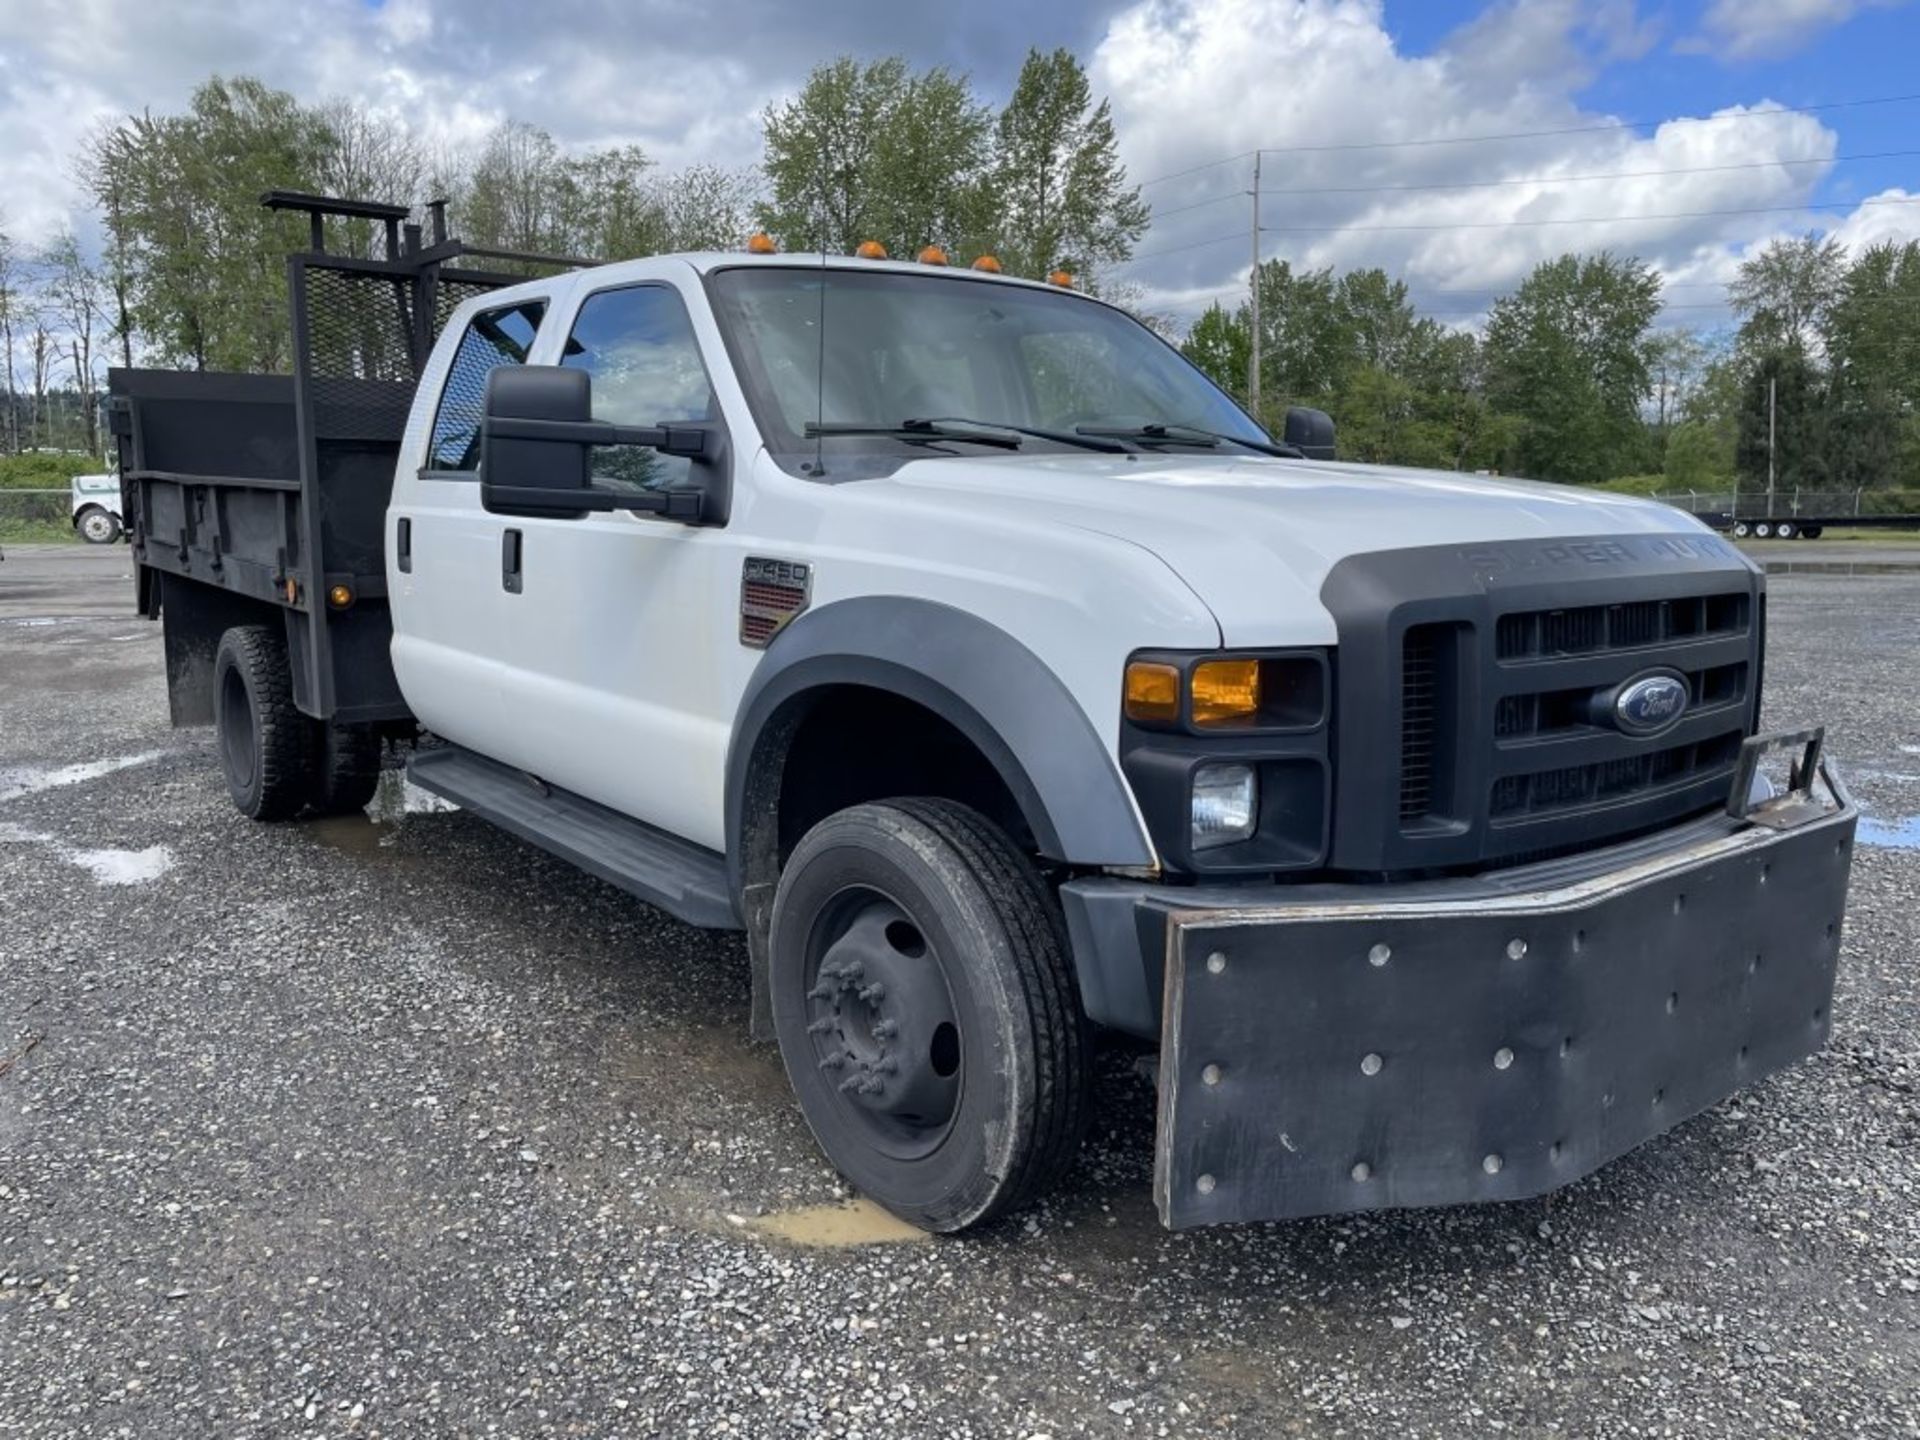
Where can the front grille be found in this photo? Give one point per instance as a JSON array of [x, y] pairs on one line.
[[1634, 625], [1551, 763], [1418, 718], [1575, 787]]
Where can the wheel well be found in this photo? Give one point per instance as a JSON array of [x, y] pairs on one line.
[[852, 744]]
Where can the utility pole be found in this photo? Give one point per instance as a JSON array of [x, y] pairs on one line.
[[1253, 355], [1770, 387]]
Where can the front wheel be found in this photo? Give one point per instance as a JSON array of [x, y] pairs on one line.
[[926, 1011], [99, 527], [1741, 530]]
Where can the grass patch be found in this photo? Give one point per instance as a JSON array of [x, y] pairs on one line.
[[38, 532], [46, 472]]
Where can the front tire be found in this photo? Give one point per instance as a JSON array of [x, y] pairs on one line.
[[1741, 530], [97, 526], [267, 747], [927, 1013]]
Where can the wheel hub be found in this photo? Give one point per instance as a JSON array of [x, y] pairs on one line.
[[882, 1022]]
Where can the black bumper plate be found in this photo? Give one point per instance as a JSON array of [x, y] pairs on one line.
[[1335, 1060]]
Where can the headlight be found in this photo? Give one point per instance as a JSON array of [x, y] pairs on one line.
[[1226, 804]]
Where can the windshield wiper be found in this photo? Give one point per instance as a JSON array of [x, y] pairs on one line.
[[1187, 435], [919, 432], [1082, 439]]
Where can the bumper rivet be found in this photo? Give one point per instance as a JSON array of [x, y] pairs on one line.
[[1363, 1172], [1211, 1075], [1492, 1164], [1204, 1184], [1502, 1058], [1216, 962], [1673, 1002], [1370, 1064], [1516, 949], [1379, 955]]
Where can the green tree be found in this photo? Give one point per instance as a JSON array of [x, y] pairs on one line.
[[1218, 343], [1783, 294], [1567, 356], [1873, 366], [875, 152], [204, 264], [1798, 434], [1058, 186]]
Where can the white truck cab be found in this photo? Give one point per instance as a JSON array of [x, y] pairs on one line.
[[96, 508], [962, 644]]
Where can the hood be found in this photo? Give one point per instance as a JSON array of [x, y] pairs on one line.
[[1255, 537]]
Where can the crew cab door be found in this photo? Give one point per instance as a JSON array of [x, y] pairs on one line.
[[609, 642]]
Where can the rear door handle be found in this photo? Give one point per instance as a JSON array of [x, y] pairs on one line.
[[510, 562], [403, 546]]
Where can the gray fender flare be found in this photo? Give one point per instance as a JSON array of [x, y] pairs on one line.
[[979, 679]]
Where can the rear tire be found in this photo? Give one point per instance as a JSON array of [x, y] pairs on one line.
[[1741, 530], [1785, 530], [1811, 532], [267, 747], [1764, 530], [347, 768], [97, 526], [927, 1013]]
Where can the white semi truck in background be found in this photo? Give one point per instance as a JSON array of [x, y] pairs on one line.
[[959, 642]]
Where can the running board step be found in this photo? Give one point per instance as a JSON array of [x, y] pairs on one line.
[[686, 881]]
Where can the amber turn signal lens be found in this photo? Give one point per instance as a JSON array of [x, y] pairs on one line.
[[870, 250], [1226, 692], [1153, 693]]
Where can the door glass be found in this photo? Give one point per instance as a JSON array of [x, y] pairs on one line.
[[494, 338], [638, 345]]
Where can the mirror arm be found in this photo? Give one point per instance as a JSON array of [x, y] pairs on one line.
[[683, 502], [693, 441]]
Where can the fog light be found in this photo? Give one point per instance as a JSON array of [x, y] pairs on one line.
[[1225, 799]]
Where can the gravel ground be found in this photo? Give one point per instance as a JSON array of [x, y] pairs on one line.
[[393, 1126]]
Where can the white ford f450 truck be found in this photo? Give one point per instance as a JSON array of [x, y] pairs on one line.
[[954, 638]]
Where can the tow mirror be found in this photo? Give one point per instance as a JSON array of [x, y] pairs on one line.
[[537, 437], [1310, 432]]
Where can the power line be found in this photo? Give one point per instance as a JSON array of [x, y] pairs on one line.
[[1541, 179], [1593, 219], [1535, 134], [1527, 224]]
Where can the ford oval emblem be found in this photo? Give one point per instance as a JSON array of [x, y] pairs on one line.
[[1649, 704]]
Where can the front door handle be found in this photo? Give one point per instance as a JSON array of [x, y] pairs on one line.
[[403, 545], [510, 562]]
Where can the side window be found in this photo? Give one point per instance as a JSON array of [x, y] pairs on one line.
[[638, 345], [494, 338]]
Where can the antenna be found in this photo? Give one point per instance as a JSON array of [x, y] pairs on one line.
[[820, 370]]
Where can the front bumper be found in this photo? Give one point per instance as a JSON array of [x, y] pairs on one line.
[[1331, 1049]]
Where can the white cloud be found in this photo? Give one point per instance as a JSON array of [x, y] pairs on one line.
[[1767, 29], [1193, 81]]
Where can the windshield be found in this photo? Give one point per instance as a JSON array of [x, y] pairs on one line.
[[903, 347]]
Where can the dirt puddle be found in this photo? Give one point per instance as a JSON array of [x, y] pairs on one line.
[[836, 1227]]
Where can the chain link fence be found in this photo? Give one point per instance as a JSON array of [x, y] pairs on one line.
[[35, 515]]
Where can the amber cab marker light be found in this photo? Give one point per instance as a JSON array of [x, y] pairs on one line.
[[1226, 692], [932, 255], [1153, 693], [870, 250], [761, 243], [1062, 278], [988, 264]]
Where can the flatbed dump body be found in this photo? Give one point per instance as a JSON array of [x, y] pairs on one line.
[[262, 497]]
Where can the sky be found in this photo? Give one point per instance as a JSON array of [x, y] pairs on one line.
[[1622, 120]]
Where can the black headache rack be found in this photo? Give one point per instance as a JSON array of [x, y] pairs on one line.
[[247, 495]]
